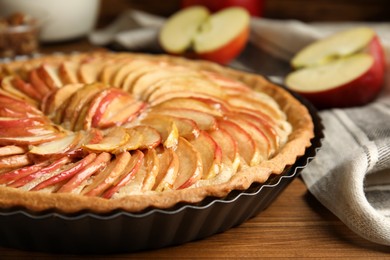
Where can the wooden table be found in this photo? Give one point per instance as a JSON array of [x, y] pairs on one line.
[[295, 225]]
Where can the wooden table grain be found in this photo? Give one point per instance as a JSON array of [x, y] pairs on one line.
[[294, 225]]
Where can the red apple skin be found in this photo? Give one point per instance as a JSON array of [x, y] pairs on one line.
[[229, 51], [357, 92], [254, 7]]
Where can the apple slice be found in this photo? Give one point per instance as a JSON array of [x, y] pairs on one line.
[[12, 150], [66, 173], [59, 96], [14, 161], [68, 72], [50, 75], [115, 168], [52, 167], [345, 69], [128, 175], [210, 153], [190, 165], [191, 103], [229, 148], [7, 84], [58, 146], [30, 140], [219, 37], [168, 170], [186, 127], [114, 139], [203, 120], [11, 106], [40, 86], [18, 173], [89, 71], [26, 88], [247, 147], [97, 165], [150, 137]]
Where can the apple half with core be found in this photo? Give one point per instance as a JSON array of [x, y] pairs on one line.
[[343, 70], [195, 32]]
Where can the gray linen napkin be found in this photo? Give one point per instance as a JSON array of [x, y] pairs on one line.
[[351, 173]]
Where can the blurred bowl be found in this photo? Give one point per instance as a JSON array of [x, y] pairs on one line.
[[61, 20]]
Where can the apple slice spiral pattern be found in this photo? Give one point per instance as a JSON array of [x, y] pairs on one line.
[[114, 126]]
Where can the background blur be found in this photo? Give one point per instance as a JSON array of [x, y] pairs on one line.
[[304, 10]]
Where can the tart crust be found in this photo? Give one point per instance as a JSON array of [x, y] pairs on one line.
[[298, 140]]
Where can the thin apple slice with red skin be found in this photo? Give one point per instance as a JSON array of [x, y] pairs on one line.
[[259, 102], [203, 120], [27, 131], [52, 167], [8, 86], [77, 101], [191, 103], [115, 168], [134, 141], [128, 175], [59, 97], [11, 122], [99, 105], [263, 144], [67, 173], [229, 147], [166, 127], [13, 107], [26, 88], [210, 153], [186, 127], [190, 165], [124, 111], [12, 150], [245, 143], [40, 86], [50, 75], [128, 69], [138, 68], [94, 167], [59, 146], [14, 161], [168, 170], [145, 177], [68, 72], [268, 130], [114, 139], [123, 108], [30, 140], [18, 173]]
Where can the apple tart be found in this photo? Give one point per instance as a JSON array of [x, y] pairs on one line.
[[106, 131]]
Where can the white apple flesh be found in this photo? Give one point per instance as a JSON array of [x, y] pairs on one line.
[[344, 70], [194, 32]]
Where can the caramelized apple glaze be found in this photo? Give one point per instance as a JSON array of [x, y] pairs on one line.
[[102, 131]]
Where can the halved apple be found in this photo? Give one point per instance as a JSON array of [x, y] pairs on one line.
[[219, 37], [343, 70]]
